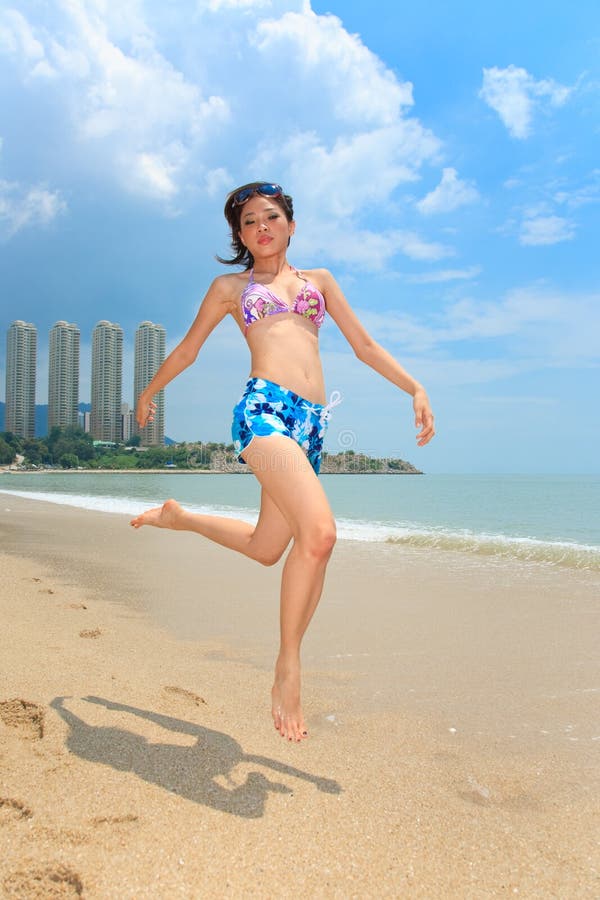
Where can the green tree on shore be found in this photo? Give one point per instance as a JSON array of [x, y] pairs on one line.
[[69, 461], [70, 440], [7, 452]]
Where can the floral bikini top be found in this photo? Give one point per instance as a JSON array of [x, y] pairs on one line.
[[258, 302]]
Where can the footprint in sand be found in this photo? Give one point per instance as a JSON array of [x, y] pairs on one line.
[[27, 717], [11, 810], [39, 882], [193, 699], [115, 820], [90, 633], [476, 793]]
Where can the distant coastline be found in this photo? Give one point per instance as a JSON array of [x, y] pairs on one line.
[[73, 450], [376, 466]]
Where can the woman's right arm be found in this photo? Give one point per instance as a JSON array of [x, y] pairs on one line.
[[213, 309]]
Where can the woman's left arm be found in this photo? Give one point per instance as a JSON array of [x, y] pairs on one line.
[[373, 354]]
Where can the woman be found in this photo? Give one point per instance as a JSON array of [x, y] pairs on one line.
[[279, 423]]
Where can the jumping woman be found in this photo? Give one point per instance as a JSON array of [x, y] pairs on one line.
[[280, 420]]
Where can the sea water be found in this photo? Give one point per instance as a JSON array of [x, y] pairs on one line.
[[546, 519]]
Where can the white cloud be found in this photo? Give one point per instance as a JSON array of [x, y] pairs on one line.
[[469, 319], [443, 275], [218, 181], [450, 193], [219, 5], [537, 209], [19, 42], [359, 87], [156, 174], [544, 326], [335, 192], [21, 207], [582, 196], [415, 247], [360, 248], [144, 109], [128, 101], [17, 38], [544, 230], [141, 107], [394, 327], [513, 93], [355, 171], [536, 326], [70, 62]]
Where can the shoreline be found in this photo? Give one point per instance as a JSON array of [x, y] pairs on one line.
[[169, 780]]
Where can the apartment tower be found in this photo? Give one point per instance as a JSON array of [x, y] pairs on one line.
[[150, 340], [63, 376], [21, 350], [107, 376]]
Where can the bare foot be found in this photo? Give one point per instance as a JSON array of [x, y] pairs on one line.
[[285, 696], [166, 516]]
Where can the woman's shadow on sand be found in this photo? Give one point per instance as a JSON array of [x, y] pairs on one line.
[[190, 772]]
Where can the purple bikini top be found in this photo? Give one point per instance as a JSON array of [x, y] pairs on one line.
[[258, 302]]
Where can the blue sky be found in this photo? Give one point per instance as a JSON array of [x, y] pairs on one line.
[[445, 165]]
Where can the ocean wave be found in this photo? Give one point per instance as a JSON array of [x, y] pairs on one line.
[[558, 553], [526, 549]]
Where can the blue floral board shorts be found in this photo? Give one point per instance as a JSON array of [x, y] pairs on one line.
[[267, 408]]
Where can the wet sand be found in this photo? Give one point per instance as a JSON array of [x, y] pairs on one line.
[[453, 707]]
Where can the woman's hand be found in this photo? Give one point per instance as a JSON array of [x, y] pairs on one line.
[[145, 409], [423, 417]]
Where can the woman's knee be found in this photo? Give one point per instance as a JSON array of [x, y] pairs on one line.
[[318, 539]]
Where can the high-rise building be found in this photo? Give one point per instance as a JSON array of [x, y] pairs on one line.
[[127, 422], [84, 421], [150, 340], [107, 376], [63, 376], [21, 349]]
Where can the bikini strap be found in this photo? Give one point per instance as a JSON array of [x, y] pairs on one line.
[[300, 274]]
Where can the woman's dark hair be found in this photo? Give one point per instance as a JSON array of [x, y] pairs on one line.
[[233, 214]]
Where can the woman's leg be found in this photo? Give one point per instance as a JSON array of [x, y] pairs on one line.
[[288, 478], [293, 504], [263, 542]]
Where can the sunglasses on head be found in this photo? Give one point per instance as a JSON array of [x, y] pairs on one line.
[[265, 190]]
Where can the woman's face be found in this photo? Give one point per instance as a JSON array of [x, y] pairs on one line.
[[264, 227]]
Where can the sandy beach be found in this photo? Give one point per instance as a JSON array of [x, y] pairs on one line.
[[453, 707]]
